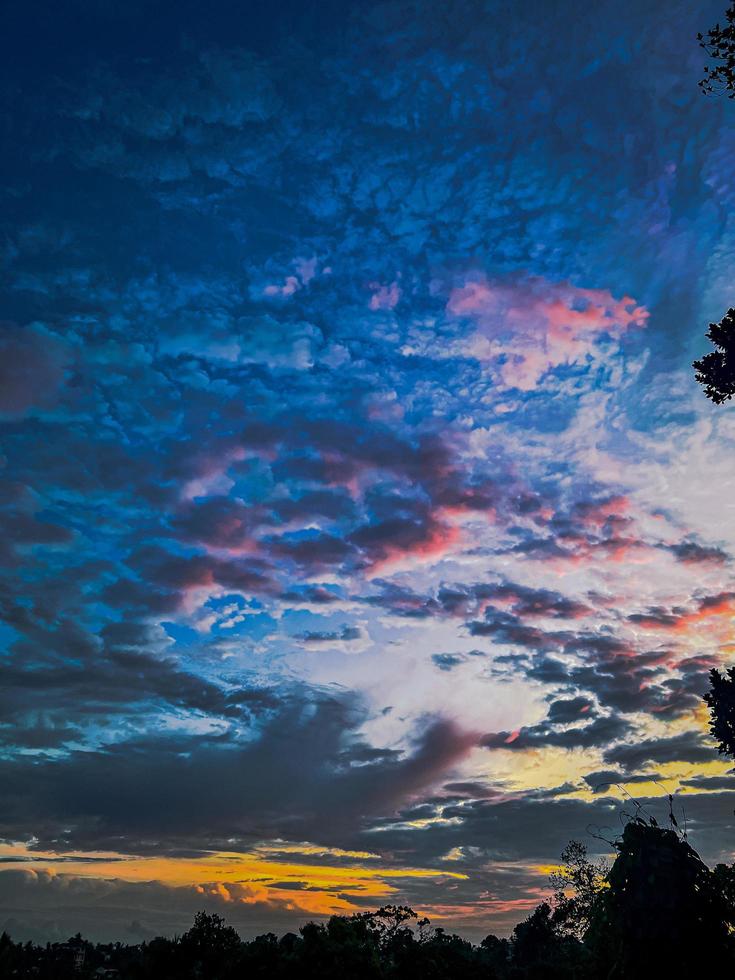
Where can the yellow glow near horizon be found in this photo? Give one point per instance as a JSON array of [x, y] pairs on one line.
[[248, 878]]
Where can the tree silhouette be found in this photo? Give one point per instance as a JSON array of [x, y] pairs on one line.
[[541, 950], [388, 922], [724, 877], [586, 880], [210, 945], [663, 913], [716, 371], [721, 702], [719, 43]]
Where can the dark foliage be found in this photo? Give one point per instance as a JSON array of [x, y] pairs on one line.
[[716, 370], [720, 700], [541, 950], [719, 43], [663, 912], [578, 884], [657, 912]]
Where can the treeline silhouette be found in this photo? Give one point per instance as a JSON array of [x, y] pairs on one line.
[[657, 911]]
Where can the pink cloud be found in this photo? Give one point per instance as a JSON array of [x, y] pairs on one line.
[[715, 612], [537, 326], [597, 513], [384, 297], [305, 269], [287, 288], [436, 540]]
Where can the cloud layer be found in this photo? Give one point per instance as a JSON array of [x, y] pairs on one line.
[[357, 499]]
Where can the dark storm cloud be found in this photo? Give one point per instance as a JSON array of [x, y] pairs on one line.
[[687, 747], [711, 782], [506, 829], [600, 731], [605, 779], [619, 678], [567, 710], [528, 827], [289, 780], [47, 704]]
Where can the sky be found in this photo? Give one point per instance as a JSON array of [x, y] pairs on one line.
[[366, 536]]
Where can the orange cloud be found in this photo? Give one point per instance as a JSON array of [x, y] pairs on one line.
[[250, 878]]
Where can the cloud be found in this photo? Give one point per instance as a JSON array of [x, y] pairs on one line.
[[384, 297], [604, 780], [447, 661], [346, 635], [345, 488], [690, 747], [568, 709], [49, 905], [33, 366], [600, 731], [692, 553], [295, 773], [533, 327], [126, 671]]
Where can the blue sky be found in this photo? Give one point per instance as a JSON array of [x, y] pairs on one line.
[[364, 527]]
